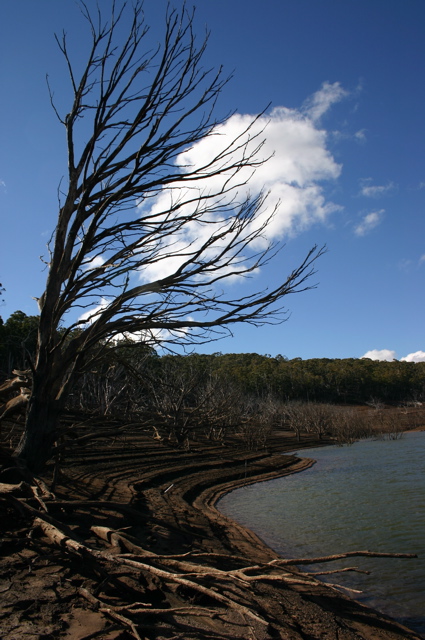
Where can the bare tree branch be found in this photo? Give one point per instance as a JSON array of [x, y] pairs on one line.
[[146, 240]]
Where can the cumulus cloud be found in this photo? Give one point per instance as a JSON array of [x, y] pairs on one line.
[[374, 190], [418, 356], [369, 222], [389, 355], [297, 164], [380, 354]]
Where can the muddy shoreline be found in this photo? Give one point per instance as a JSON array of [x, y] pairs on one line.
[[166, 499]]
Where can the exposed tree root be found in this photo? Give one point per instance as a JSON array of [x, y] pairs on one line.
[[126, 577], [58, 538], [195, 573]]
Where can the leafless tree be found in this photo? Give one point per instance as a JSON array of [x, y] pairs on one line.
[[173, 394], [129, 202], [319, 418], [259, 418], [296, 417], [101, 390], [221, 404], [186, 400], [350, 424]]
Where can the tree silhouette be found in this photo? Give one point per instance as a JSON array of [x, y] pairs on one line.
[[133, 207]]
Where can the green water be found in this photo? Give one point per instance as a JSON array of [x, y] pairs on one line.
[[371, 496]]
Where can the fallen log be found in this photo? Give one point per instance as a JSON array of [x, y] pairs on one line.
[[187, 575], [60, 539], [21, 490]]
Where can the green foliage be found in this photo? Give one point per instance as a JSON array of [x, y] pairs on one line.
[[324, 380], [18, 341]]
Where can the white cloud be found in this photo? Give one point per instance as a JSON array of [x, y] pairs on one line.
[[389, 355], [360, 135], [418, 356], [90, 316], [407, 264], [95, 262], [375, 191], [151, 337], [369, 222], [380, 354], [298, 163], [321, 101]]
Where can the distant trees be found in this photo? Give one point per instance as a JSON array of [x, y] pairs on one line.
[[253, 395], [243, 398], [145, 239], [326, 380], [18, 342], [185, 399], [316, 381]]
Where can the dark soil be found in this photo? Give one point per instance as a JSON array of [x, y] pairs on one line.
[[162, 498]]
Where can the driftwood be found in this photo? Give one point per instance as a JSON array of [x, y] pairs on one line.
[[62, 540], [328, 573], [21, 490], [339, 556], [201, 590], [17, 404], [110, 611], [13, 384], [119, 540]]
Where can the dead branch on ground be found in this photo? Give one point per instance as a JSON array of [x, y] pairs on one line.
[[201, 591]]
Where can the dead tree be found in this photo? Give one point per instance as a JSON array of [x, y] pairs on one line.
[[10, 386], [17, 404], [132, 206], [296, 418]]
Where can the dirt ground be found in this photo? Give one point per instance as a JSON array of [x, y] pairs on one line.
[[130, 545]]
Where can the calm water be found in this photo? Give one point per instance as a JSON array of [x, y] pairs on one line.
[[371, 496]]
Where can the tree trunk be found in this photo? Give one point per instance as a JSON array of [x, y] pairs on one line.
[[41, 427]]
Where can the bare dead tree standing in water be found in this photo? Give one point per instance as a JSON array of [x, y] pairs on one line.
[[133, 203]]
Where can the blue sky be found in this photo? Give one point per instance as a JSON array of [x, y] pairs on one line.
[[345, 80]]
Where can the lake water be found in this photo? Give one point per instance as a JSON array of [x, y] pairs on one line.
[[370, 495]]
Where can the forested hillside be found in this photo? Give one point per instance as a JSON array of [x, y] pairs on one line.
[[323, 380], [230, 398]]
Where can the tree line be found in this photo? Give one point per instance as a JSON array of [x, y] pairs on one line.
[[317, 380], [181, 397]]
